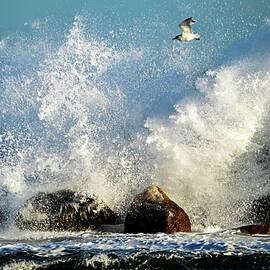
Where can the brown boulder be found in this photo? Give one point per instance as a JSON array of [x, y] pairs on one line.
[[255, 229], [153, 211]]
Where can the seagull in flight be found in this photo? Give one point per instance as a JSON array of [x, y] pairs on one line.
[[187, 34]]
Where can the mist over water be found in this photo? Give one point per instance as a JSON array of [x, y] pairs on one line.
[[111, 110]]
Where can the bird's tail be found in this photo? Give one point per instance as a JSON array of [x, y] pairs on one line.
[[198, 37]]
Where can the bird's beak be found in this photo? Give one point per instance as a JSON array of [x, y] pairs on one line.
[[174, 38]]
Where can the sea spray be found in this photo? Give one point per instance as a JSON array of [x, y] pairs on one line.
[[77, 110], [204, 141], [74, 130]]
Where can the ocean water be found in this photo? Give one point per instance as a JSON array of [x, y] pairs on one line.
[[96, 97]]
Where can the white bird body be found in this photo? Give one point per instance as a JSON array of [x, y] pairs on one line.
[[187, 33]]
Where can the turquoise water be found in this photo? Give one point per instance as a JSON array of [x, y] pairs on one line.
[[96, 97]]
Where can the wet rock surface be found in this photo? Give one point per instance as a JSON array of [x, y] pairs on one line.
[[153, 211], [64, 210], [255, 229]]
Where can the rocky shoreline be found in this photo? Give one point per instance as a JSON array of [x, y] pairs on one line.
[[151, 211]]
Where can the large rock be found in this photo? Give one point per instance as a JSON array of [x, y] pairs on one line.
[[255, 229], [64, 210], [153, 211]]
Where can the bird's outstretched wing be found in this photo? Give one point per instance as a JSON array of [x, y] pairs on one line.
[[186, 25]]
